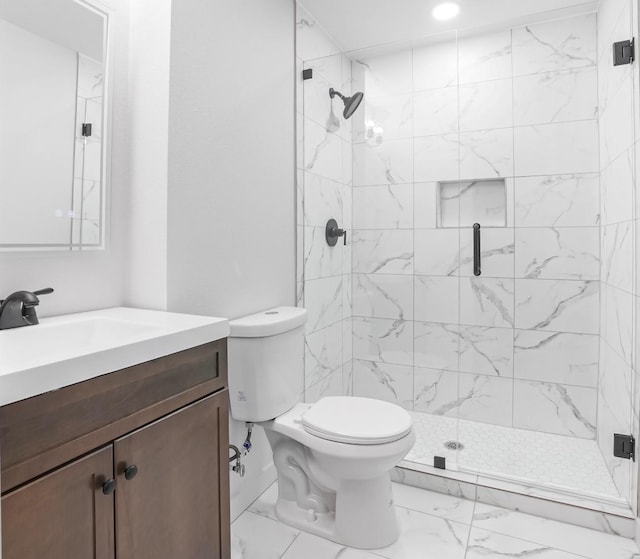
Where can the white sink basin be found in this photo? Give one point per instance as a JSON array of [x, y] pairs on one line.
[[68, 349]]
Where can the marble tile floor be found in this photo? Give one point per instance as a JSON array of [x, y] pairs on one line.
[[568, 464], [432, 526]]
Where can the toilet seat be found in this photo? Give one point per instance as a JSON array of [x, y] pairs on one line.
[[357, 421]]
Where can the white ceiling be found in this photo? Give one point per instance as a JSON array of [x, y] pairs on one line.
[[357, 24]]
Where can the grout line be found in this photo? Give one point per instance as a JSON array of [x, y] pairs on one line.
[[513, 218]]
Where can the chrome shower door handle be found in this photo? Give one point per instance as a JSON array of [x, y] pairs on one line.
[[477, 254]]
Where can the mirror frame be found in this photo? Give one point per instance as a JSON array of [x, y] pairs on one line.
[[105, 149]]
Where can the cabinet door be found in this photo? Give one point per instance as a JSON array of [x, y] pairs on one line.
[[177, 505], [63, 514]]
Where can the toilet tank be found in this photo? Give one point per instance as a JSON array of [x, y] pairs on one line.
[[266, 363]]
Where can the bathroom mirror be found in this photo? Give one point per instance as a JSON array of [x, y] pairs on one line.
[[53, 100]]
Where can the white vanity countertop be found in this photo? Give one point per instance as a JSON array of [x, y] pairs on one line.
[[64, 350]]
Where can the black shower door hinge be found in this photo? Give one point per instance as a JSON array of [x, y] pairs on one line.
[[624, 52], [624, 446], [86, 129]]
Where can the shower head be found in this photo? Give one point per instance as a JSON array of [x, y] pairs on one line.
[[350, 103]]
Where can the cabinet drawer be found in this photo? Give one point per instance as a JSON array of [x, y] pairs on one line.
[[41, 433]]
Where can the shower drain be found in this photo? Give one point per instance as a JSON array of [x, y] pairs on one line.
[[454, 445]]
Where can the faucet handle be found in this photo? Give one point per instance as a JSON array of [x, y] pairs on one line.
[[45, 291], [19, 308]]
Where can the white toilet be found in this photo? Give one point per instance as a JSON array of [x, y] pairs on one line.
[[333, 457]]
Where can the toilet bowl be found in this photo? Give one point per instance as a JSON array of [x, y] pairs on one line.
[[333, 457], [333, 488]]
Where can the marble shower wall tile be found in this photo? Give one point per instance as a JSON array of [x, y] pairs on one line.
[[617, 189], [614, 411], [328, 386], [436, 252], [557, 201], [319, 259], [383, 381], [389, 74], [436, 299], [555, 45], [425, 205], [323, 301], [558, 253], [617, 255], [555, 408], [436, 345], [435, 66], [383, 340], [330, 68], [485, 399], [435, 112], [391, 116], [323, 353], [347, 378], [435, 391], [557, 305], [486, 154], [436, 158], [486, 301], [347, 296], [318, 105], [322, 151], [617, 329], [556, 97], [556, 357], [614, 21], [486, 105], [485, 57], [616, 128], [383, 207], [347, 339], [486, 351], [387, 162], [497, 252], [383, 296], [386, 252], [556, 149]]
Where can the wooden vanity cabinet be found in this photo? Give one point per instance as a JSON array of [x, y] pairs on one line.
[[130, 481], [63, 514]]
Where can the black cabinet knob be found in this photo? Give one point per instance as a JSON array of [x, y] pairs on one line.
[[109, 486], [130, 472]]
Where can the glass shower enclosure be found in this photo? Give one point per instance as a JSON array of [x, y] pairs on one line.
[[487, 183]]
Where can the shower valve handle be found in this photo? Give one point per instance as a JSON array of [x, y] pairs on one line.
[[332, 232]]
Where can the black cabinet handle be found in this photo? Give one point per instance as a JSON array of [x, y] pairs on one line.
[[130, 472], [477, 267], [109, 486]]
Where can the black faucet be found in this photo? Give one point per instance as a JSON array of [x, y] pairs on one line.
[[19, 308]]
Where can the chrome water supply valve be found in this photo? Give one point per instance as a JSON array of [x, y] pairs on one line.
[[238, 467]]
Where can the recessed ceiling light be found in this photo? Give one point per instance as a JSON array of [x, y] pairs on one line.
[[447, 10]]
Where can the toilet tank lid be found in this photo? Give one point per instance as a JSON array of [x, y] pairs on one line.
[[268, 323]]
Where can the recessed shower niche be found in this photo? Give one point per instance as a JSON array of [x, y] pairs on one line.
[[463, 203]]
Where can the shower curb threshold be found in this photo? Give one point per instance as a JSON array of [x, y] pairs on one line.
[[581, 511]]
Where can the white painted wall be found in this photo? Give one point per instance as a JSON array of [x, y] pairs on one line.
[[231, 226], [87, 280], [146, 270]]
